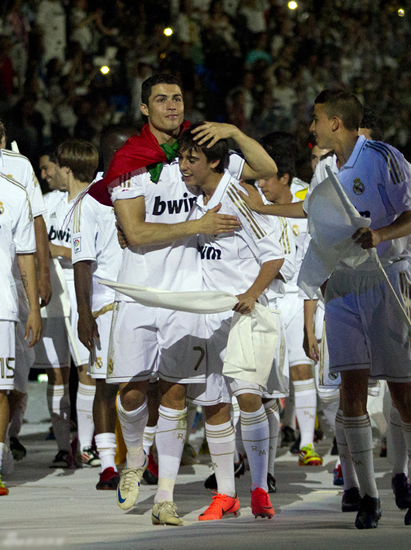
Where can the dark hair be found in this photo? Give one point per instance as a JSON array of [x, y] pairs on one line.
[[49, 152], [283, 149], [80, 156], [373, 123], [218, 151], [153, 81], [343, 104], [2, 130]]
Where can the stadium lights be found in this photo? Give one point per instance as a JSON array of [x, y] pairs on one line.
[[104, 69], [292, 5], [168, 31], [401, 12]]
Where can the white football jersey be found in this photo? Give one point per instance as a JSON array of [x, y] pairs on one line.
[[232, 261], [377, 180], [58, 208], [16, 237], [94, 237], [171, 266]]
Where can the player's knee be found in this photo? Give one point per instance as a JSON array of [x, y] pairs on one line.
[[249, 402]]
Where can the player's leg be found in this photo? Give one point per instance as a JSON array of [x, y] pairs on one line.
[[58, 402], [274, 425], [86, 392], [153, 403]]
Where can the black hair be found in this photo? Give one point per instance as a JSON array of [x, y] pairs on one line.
[[373, 123], [219, 151], [153, 81], [283, 149], [343, 104]]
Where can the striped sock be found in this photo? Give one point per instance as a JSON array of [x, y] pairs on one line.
[[255, 432], [221, 442]]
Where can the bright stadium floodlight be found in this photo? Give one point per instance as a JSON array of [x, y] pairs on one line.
[[168, 31], [292, 5], [104, 69], [401, 12]]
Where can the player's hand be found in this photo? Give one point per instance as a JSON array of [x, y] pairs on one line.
[[252, 197], [214, 131], [87, 329], [45, 290], [310, 345], [366, 237], [33, 327], [246, 303], [122, 241], [213, 223]]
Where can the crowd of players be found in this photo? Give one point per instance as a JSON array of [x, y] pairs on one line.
[[185, 221]]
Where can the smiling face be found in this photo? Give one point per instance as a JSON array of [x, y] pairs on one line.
[[195, 168], [48, 172], [322, 127], [165, 110]]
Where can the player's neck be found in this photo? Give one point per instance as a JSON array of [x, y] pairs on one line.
[[162, 136], [286, 196], [209, 187], [344, 148], [75, 187]]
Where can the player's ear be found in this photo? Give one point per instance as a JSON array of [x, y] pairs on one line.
[[285, 179], [144, 109], [214, 164], [335, 123]]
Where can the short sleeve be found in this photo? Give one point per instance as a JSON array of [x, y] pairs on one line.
[[83, 232], [130, 186], [24, 236], [235, 165]]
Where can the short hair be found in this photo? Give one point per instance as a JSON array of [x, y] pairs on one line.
[[343, 104], [49, 152], [153, 81], [283, 149], [2, 130], [219, 151], [373, 123], [80, 156]]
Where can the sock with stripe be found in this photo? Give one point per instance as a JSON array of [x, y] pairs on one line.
[[273, 416], [132, 427], [305, 409], [398, 456], [255, 432], [58, 402], [330, 406], [359, 438], [106, 448], [347, 465], [85, 422], [221, 442], [170, 439]]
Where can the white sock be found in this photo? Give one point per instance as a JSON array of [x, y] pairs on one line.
[[16, 420], [132, 426], [85, 422], [221, 442], [406, 431], [238, 442], [58, 401], [330, 405], [398, 456], [106, 448], [273, 416], [358, 434], [305, 409], [170, 439], [255, 432], [148, 438], [347, 466]]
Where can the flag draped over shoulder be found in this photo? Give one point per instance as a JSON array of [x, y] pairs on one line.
[[138, 152], [332, 221]]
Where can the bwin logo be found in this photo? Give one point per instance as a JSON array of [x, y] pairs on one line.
[[174, 206], [59, 234], [209, 253]]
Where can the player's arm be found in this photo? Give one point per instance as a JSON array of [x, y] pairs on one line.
[[87, 326], [258, 163], [253, 198], [58, 251], [131, 218], [28, 275], [268, 272], [42, 255], [310, 343], [369, 238]]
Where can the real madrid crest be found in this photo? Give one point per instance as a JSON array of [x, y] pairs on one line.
[[1, 208], [99, 363], [110, 367], [296, 230], [358, 187]]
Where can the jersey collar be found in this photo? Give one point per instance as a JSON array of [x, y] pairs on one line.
[[1, 158], [355, 153], [218, 193]]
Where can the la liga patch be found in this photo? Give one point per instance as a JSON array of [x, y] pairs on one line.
[[77, 245]]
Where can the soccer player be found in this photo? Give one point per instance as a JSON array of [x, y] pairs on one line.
[[17, 237], [18, 167], [244, 263], [376, 178], [152, 205], [96, 254]]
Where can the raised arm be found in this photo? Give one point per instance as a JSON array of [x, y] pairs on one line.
[[28, 275], [258, 163], [131, 218]]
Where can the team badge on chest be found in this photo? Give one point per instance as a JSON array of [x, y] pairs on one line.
[[358, 187], [1, 208]]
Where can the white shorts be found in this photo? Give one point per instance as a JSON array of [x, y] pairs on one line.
[[7, 354], [364, 329], [99, 358], [52, 351], [280, 373], [292, 310], [84, 354], [145, 341], [24, 355]]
